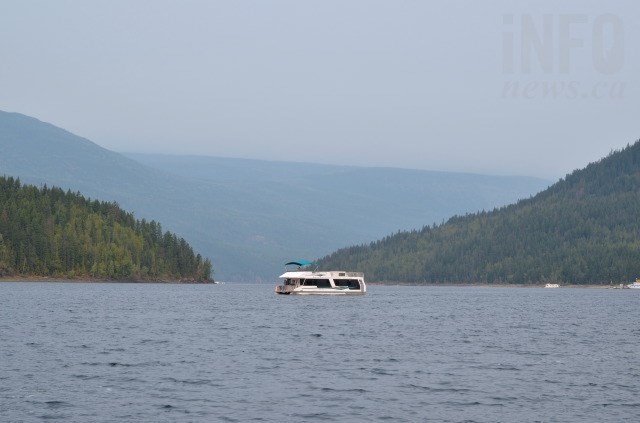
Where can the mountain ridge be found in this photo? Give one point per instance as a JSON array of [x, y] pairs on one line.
[[249, 216]]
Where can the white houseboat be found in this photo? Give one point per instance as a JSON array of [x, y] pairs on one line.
[[306, 282]]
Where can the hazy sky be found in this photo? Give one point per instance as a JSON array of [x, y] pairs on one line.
[[503, 87]]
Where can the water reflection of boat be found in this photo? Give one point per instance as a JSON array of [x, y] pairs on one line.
[[306, 282]]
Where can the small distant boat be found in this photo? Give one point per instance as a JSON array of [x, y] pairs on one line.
[[635, 285], [552, 285], [306, 282]]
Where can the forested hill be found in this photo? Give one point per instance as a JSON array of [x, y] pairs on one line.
[[250, 216], [49, 232], [585, 229]]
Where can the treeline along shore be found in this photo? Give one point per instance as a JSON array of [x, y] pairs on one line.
[[49, 233]]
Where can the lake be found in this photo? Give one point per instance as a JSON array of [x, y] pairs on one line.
[[77, 352]]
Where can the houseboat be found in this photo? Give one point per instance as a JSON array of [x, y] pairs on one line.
[[303, 281]]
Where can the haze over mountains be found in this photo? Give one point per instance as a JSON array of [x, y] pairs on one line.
[[251, 216]]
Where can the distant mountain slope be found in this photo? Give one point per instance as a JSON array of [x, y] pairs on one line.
[[250, 216], [361, 199], [49, 232], [583, 229]]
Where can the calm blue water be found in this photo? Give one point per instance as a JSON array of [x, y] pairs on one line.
[[182, 353]]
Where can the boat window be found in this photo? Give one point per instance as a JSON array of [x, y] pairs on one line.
[[349, 283], [323, 283], [320, 283]]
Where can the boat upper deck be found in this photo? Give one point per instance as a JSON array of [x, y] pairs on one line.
[[311, 275]]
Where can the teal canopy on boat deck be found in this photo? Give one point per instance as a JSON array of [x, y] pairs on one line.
[[300, 263]]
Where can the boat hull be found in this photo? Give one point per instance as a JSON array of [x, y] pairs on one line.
[[282, 289]]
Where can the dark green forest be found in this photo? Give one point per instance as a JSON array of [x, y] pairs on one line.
[[50, 232], [585, 229]]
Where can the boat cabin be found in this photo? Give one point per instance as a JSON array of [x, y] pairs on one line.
[[302, 281]]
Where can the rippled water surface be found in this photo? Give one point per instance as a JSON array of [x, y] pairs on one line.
[[128, 353]]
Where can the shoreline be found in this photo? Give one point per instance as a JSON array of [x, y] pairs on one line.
[[36, 279], [506, 285], [32, 279]]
